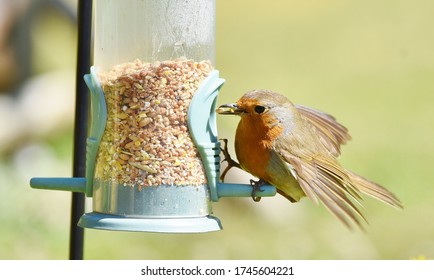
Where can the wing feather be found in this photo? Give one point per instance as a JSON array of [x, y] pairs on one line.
[[328, 184], [331, 133]]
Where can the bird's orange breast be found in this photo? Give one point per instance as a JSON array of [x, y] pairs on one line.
[[253, 143]]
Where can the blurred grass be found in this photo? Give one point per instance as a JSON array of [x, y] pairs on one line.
[[368, 63]]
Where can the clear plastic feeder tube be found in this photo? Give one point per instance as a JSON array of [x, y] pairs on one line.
[[150, 57]]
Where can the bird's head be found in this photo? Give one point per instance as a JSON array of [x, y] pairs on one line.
[[261, 108], [255, 102]]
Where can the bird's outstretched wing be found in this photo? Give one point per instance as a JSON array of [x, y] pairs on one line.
[[331, 133], [326, 181], [319, 174]]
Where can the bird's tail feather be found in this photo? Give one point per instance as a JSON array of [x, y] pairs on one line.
[[374, 190]]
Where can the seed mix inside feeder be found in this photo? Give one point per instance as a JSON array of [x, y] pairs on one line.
[[146, 140]]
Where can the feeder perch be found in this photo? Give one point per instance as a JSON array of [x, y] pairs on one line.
[[152, 159]]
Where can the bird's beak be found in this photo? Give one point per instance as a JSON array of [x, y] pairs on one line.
[[229, 109]]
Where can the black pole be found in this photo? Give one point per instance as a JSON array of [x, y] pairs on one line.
[[84, 16]]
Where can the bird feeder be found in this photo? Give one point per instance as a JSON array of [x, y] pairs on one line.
[[152, 161]]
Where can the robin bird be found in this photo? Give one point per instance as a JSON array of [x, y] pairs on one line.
[[295, 148]]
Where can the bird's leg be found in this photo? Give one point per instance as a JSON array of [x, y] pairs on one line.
[[256, 185], [228, 159]]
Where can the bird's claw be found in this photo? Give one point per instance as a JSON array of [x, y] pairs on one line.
[[256, 187], [228, 159]]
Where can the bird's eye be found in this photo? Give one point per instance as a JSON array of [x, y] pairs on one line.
[[259, 109]]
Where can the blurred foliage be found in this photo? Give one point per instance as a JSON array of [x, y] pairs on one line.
[[368, 63]]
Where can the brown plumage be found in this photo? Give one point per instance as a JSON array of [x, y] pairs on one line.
[[295, 148]]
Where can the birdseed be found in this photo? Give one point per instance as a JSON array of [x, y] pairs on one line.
[[146, 141]]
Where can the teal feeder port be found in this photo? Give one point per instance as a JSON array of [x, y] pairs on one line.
[[153, 154]]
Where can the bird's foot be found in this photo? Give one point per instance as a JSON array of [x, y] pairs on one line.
[[256, 187], [228, 159]]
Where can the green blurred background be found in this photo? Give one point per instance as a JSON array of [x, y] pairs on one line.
[[368, 63]]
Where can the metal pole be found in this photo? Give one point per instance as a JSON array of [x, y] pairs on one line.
[[84, 16]]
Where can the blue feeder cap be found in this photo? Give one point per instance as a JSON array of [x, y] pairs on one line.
[[164, 225]]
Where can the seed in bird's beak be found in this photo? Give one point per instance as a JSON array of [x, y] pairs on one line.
[[229, 109]]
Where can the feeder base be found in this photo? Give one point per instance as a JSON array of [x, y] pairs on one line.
[[163, 225]]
